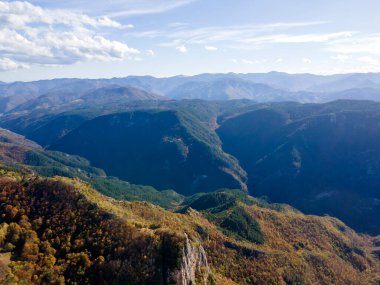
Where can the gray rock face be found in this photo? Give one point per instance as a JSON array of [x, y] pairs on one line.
[[194, 268]]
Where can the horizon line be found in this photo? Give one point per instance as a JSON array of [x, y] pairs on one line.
[[184, 75]]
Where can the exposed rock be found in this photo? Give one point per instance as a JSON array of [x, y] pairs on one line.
[[194, 268]]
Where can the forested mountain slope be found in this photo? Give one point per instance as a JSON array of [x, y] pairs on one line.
[[154, 148], [61, 230], [322, 159]]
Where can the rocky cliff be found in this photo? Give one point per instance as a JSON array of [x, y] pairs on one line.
[[193, 268]]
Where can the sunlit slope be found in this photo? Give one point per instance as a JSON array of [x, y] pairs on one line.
[[62, 230]]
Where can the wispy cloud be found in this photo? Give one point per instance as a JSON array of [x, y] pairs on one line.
[[251, 62], [365, 44], [369, 60], [341, 57], [211, 48], [177, 24], [247, 61], [303, 38], [116, 8], [242, 35], [30, 34], [208, 34], [147, 7], [182, 49], [306, 60], [150, 52]]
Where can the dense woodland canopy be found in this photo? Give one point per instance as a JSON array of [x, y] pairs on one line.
[[59, 230]]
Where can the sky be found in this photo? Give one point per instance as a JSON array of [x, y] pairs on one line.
[[41, 39]]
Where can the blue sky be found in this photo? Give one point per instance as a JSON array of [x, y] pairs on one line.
[[90, 39]]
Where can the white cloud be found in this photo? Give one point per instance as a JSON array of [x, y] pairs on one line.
[[256, 61], [279, 60], [369, 60], [211, 48], [7, 64], [341, 57], [32, 35], [246, 61], [365, 44], [287, 25], [150, 52], [182, 48], [177, 24], [18, 14], [306, 60]]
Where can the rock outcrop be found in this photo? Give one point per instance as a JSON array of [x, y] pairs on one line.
[[193, 269]]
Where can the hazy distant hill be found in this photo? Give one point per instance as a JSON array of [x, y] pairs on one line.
[[17, 93], [63, 100], [366, 93], [351, 81], [227, 90], [262, 87]]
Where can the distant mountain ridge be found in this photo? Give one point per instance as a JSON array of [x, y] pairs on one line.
[[263, 87], [69, 100], [228, 89]]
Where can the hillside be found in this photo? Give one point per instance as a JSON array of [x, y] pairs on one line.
[[307, 155], [46, 126], [29, 157], [165, 149], [62, 100], [17, 151], [61, 235], [17, 93], [312, 156], [60, 230], [14, 146]]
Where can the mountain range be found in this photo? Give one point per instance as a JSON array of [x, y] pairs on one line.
[[273, 86], [207, 179], [306, 155]]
